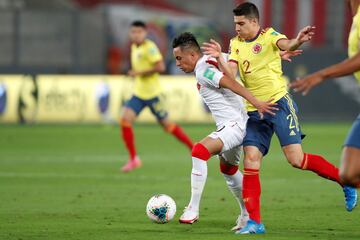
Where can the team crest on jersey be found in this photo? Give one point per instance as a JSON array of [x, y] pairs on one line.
[[237, 51], [257, 48]]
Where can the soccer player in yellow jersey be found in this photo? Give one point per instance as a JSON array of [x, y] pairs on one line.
[[255, 52], [350, 162], [146, 64]]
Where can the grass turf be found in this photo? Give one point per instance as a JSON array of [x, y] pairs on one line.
[[63, 182]]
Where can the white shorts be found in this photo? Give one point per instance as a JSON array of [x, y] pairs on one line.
[[232, 135]]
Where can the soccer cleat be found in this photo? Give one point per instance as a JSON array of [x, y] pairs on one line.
[[240, 222], [350, 197], [189, 216], [252, 227], [132, 164]]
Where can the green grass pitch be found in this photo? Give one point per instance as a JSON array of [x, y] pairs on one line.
[[63, 182]]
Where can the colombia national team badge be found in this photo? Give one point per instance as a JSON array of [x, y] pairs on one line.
[[257, 48]]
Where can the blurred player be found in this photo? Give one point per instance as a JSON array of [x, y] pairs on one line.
[[255, 52], [350, 163], [221, 95], [146, 64]]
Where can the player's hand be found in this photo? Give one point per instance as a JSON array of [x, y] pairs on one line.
[[286, 55], [212, 48], [306, 34], [266, 107], [132, 73], [305, 84]]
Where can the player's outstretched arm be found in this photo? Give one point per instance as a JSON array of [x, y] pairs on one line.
[[344, 68], [262, 107], [159, 67], [303, 36], [213, 49]]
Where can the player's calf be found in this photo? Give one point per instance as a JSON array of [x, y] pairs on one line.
[[177, 132], [294, 155], [234, 181], [200, 154]]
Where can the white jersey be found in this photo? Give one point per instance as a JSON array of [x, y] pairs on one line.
[[224, 104]]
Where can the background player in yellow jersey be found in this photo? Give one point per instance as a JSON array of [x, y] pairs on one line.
[[146, 64], [255, 52], [350, 163]]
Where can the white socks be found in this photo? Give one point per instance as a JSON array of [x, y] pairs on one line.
[[234, 183], [198, 180]]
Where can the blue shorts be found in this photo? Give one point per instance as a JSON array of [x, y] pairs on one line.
[[285, 124], [155, 104], [353, 138]]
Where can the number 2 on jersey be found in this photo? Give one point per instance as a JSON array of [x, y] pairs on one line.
[[246, 64]]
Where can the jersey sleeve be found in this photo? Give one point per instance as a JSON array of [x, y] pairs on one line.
[[154, 54], [274, 37], [210, 76], [233, 52]]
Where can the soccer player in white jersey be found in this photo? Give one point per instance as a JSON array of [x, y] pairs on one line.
[[222, 94]]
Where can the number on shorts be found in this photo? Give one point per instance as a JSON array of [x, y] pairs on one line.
[[291, 122]]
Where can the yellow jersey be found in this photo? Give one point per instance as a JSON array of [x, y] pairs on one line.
[[259, 65], [354, 39], [143, 58]]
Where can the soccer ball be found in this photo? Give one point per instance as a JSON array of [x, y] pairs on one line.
[[161, 208]]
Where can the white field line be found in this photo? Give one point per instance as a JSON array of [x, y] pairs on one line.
[[120, 158], [122, 176]]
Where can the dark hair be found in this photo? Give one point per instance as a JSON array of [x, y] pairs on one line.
[[138, 23], [247, 9], [186, 40]]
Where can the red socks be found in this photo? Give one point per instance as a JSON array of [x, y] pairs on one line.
[[252, 189], [251, 193], [228, 169], [128, 137], [181, 136], [201, 152], [321, 167]]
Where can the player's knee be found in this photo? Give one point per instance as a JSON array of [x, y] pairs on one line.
[[252, 158], [200, 151], [228, 169]]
